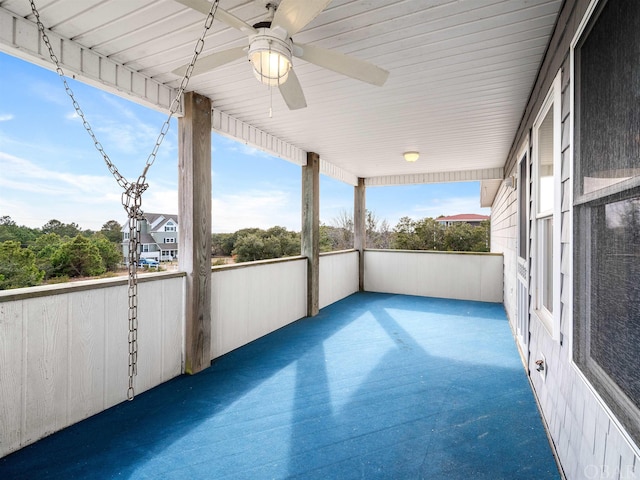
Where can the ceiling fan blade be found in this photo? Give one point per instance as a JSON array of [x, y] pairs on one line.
[[205, 64], [292, 93], [341, 63], [294, 15], [203, 6]]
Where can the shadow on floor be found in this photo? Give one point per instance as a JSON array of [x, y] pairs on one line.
[[375, 386]]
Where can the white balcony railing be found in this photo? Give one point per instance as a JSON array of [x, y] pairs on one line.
[[459, 275], [249, 300], [64, 349]]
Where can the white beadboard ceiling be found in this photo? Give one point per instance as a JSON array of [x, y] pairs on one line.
[[460, 74]]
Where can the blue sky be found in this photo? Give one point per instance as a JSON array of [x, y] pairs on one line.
[[50, 169]]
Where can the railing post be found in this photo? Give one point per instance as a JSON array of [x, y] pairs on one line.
[[360, 227], [311, 229], [194, 230]]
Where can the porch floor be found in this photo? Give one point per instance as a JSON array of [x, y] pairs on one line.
[[375, 386]]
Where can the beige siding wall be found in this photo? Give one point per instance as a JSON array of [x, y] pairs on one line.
[[588, 439]]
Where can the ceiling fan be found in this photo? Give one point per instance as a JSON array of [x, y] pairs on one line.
[[271, 48]]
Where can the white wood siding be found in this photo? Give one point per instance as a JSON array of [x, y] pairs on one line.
[[64, 351], [504, 233], [254, 299], [464, 276], [338, 276], [589, 441]]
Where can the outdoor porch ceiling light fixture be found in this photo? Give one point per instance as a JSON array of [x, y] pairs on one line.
[[411, 156], [270, 53]]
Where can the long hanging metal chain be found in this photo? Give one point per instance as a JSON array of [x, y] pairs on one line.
[[132, 194]]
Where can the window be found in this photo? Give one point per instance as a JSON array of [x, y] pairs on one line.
[[546, 160], [523, 204], [607, 207], [125, 235], [145, 247], [169, 240], [170, 227]]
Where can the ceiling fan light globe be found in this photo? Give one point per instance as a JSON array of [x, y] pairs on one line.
[[270, 56], [270, 67]]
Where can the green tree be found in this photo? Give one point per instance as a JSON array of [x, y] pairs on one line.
[[9, 230], [69, 230], [44, 249], [256, 244], [430, 234], [326, 244], [112, 230], [460, 237], [78, 258], [109, 251], [18, 266], [249, 248], [222, 244], [404, 235]]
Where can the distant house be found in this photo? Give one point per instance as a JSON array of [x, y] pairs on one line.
[[470, 218], [158, 237]]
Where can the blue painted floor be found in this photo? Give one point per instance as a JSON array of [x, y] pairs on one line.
[[376, 386]]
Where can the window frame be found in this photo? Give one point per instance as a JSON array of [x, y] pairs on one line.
[[550, 319], [609, 394], [523, 199]]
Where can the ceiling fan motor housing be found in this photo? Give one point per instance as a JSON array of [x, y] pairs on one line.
[[270, 52]]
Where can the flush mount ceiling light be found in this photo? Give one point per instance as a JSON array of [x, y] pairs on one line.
[[411, 156]]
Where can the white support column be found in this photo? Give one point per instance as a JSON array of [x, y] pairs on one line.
[[311, 229], [360, 226], [194, 237]]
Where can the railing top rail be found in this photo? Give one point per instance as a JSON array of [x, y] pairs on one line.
[[445, 252], [338, 252], [70, 287], [233, 266]]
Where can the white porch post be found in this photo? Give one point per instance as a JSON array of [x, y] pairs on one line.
[[360, 227], [194, 237], [311, 229]]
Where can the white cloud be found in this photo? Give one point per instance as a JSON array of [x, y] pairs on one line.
[[6, 117], [450, 206], [33, 195], [253, 208]]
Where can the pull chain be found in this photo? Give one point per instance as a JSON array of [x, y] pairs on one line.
[[132, 194]]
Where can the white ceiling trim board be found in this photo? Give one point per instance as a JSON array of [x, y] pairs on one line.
[[21, 38], [436, 177]]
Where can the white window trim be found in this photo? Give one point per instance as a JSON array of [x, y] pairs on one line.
[[551, 321]]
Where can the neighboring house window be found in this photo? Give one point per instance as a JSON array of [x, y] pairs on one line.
[[546, 158], [126, 235], [169, 228], [606, 188], [145, 247], [169, 240]]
